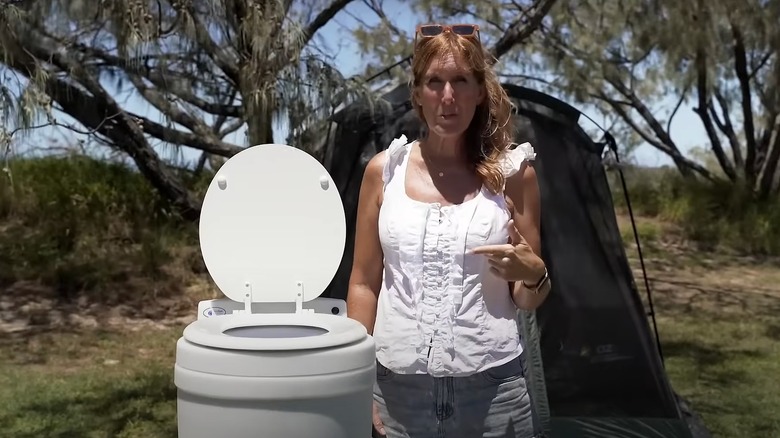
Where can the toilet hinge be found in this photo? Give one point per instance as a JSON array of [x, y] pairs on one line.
[[299, 300], [247, 299]]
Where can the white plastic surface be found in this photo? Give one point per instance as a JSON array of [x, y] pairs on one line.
[[222, 307], [272, 359], [284, 331], [325, 393], [272, 226], [275, 363]]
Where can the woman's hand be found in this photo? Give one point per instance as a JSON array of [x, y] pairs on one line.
[[514, 261]]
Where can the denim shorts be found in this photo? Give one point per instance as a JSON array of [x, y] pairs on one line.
[[492, 404]]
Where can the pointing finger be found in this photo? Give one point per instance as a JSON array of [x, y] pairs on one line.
[[497, 250]]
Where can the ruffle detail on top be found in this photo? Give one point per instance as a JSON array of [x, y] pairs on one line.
[[513, 159], [394, 153]]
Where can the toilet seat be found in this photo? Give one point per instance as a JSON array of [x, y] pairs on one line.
[[336, 331], [272, 230]]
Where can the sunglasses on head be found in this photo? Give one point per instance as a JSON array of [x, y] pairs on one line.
[[431, 30]]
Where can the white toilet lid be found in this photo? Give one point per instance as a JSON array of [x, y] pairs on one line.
[[272, 219]]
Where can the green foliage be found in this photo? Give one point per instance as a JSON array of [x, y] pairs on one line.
[[77, 225], [640, 64], [243, 61], [649, 233], [202, 70], [80, 225], [714, 216], [640, 60]]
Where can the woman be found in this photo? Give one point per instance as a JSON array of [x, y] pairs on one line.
[[447, 249]]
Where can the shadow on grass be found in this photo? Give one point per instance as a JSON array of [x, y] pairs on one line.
[[141, 405], [678, 297], [715, 371], [708, 357], [725, 367], [773, 332]]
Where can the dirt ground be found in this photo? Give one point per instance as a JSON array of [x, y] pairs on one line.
[[682, 280], [28, 308]]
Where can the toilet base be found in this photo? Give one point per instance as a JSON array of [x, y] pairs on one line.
[[336, 405], [338, 417]]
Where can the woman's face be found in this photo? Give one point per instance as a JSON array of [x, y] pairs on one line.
[[449, 94]]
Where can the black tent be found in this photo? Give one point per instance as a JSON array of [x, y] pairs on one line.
[[601, 373]]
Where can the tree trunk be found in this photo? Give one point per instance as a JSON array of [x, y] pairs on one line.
[[767, 182], [258, 113]]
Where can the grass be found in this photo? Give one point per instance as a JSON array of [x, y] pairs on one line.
[[716, 315], [90, 384], [727, 367], [81, 239], [721, 345]]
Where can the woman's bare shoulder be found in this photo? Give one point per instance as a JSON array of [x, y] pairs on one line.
[[375, 170]]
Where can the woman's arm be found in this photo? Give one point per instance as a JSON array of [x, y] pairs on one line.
[[366, 277], [522, 189]]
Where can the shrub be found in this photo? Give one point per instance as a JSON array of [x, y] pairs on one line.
[[77, 224], [711, 215]]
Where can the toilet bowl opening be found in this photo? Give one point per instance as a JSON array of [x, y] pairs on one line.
[[275, 331]]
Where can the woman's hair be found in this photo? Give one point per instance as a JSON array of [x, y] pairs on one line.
[[491, 130]]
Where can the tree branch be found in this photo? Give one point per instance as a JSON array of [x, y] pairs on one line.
[[760, 64], [203, 137], [376, 6], [679, 159], [683, 164], [767, 178], [727, 128], [520, 30], [704, 115], [169, 109], [222, 118], [322, 18], [174, 136], [464, 11], [676, 108], [740, 65], [92, 112], [220, 56]]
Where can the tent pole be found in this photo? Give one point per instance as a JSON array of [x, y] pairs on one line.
[[613, 146]]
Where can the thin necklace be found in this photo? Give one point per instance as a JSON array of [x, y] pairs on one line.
[[428, 163]]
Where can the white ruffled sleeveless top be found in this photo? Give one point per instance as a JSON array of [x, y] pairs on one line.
[[441, 311]]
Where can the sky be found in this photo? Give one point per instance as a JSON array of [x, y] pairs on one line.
[[686, 128]]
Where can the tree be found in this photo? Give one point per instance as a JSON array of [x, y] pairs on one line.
[[720, 55], [211, 67], [508, 26], [628, 57]]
